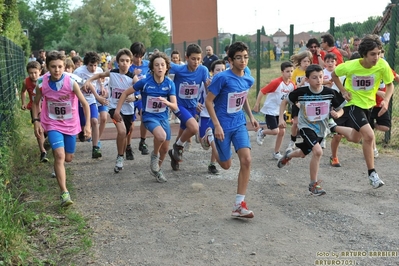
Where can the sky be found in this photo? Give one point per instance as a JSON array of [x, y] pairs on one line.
[[236, 17]]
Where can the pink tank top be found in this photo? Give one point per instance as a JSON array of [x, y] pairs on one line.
[[60, 108]]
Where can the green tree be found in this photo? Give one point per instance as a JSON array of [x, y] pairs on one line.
[[10, 25], [262, 31], [46, 20]]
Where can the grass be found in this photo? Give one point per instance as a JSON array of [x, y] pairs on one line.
[[34, 230]]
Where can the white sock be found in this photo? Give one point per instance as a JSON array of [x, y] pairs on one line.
[[239, 198], [179, 142]]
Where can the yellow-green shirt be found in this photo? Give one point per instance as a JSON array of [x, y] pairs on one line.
[[362, 82]]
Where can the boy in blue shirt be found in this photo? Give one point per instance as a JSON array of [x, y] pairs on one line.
[[187, 79], [227, 96]]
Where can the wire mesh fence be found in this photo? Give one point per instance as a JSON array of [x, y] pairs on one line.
[[12, 71]]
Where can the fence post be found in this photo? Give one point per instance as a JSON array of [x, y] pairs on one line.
[[291, 45], [269, 64], [199, 43], [391, 60], [332, 26], [257, 62], [172, 47], [233, 40], [184, 47]]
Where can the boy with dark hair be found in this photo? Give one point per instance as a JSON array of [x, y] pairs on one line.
[[227, 96], [188, 79], [90, 61], [276, 90], [363, 77], [315, 103], [119, 80], [29, 84], [139, 68]]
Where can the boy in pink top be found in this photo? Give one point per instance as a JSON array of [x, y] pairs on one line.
[[276, 91], [59, 116]]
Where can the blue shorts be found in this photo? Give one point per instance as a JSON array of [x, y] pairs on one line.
[[58, 140], [152, 124], [240, 139], [203, 125], [184, 114], [138, 105], [93, 113], [102, 108]]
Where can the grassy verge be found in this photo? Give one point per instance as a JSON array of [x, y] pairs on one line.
[[34, 230]]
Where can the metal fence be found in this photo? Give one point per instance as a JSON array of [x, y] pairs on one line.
[[12, 72]]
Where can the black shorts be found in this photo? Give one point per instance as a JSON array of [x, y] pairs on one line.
[[383, 120], [310, 139], [127, 119], [272, 121], [354, 117]]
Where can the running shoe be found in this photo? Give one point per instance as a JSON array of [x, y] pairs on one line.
[[277, 155], [376, 154], [65, 199], [178, 152], [175, 164], [285, 159], [177, 120], [129, 154], [96, 153], [207, 139], [187, 146], [323, 144], [160, 177], [260, 136], [291, 145], [154, 165], [118, 164], [143, 148], [241, 210], [316, 189], [43, 157], [334, 162], [212, 169], [375, 180]]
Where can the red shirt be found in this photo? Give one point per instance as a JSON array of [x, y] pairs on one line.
[[315, 59], [335, 51]]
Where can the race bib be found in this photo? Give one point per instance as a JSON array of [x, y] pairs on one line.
[[60, 110], [317, 111], [187, 91], [116, 93], [362, 83], [236, 101], [154, 105]]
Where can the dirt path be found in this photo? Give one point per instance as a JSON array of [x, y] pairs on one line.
[[137, 221]]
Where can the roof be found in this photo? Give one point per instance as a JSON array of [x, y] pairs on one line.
[[280, 33]]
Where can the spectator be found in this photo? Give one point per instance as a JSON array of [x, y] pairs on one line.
[[313, 46], [209, 58], [32, 57], [327, 44]]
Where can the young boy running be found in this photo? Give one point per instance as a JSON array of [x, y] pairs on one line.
[[314, 111], [363, 77], [59, 116], [33, 68], [187, 79], [227, 96], [276, 90], [159, 94], [217, 67], [119, 80], [90, 61]]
